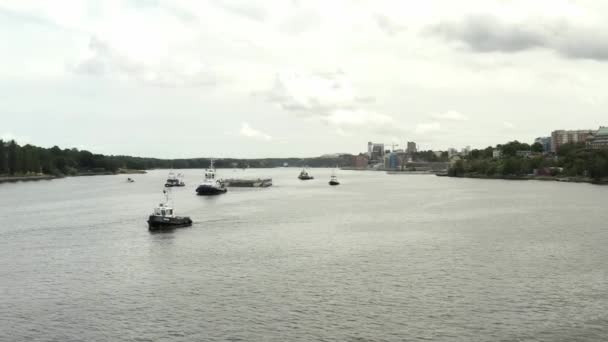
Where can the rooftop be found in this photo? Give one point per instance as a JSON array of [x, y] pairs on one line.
[[602, 131]]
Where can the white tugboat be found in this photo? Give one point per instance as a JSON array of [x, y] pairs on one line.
[[173, 180], [304, 175], [163, 217], [333, 180], [211, 185]]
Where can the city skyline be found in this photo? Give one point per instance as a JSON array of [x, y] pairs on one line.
[[182, 79]]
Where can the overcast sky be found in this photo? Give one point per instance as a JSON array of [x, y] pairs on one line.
[[244, 78]]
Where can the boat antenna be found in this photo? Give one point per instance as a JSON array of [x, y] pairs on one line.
[[167, 192]]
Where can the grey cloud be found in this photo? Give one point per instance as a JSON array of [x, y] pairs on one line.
[[589, 45], [491, 34], [487, 34]]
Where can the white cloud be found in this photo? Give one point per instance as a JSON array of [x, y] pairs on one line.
[[386, 71], [341, 132], [425, 128], [249, 132], [450, 115], [508, 125], [311, 93], [103, 60], [330, 98], [388, 25]]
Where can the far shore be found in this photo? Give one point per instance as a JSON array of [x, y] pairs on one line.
[[603, 181], [39, 177]]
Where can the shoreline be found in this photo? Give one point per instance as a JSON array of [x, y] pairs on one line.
[[537, 178], [15, 179]]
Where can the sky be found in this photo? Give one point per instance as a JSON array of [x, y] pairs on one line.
[[279, 78]]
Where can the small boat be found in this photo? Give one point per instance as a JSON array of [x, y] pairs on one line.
[[304, 175], [333, 180], [164, 219], [173, 180], [211, 185], [130, 180]]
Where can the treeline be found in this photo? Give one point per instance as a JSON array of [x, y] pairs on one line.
[[29, 159], [574, 160], [429, 156]]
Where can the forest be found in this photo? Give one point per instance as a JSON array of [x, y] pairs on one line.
[[572, 160], [17, 160]]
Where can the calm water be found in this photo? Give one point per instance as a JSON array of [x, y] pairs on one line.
[[378, 258]]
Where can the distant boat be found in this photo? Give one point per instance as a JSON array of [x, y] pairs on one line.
[[333, 180], [211, 185], [304, 175], [173, 180], [130, 180], [163, 218]]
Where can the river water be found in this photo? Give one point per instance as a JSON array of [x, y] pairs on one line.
[[378, 258]]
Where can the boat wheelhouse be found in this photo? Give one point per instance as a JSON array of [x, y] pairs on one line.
[[173, 180], [304, 175], [164, 218], [211, 185], [333, 180]]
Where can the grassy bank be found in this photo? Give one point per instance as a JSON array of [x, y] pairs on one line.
[[602, 181]]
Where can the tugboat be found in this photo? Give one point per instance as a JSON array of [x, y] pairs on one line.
[[304, 175], [163, 218], [173, 180], [210, 185], [333, 180]]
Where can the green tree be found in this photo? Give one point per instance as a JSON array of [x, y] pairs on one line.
[[3, 166], [537, 147], [457, 170], [13, 162]]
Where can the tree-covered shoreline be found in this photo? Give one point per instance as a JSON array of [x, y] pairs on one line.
[[572, 160], [30, 160]]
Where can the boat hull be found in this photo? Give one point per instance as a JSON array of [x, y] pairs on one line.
[[206, 190], [334, 183], [156, 223], [248, 183], [305, 177], [174, 185]]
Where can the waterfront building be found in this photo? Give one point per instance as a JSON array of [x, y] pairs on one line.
[[411, 147], [525, 154], [599, 140], [454, 159], [545, 141], [361, 161], [394, 161], [561, 137], [466, 151], [496, 153], [375, 151], [452, 152]]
